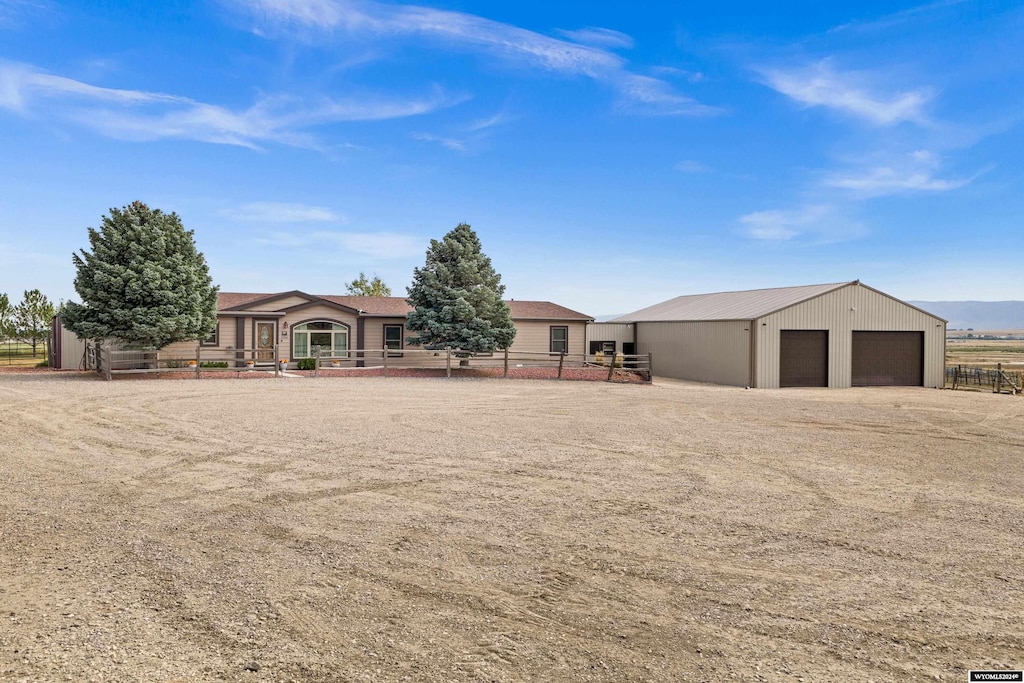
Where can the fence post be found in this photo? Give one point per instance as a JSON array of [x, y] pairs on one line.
[[448, 361], [316, 362], [506, 362], [611, 368], [277, 361], [199, 362], [106, 366], [999, 379], [384, 357], [561, 362]]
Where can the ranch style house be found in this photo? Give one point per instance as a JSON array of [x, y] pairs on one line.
[[293, 323]]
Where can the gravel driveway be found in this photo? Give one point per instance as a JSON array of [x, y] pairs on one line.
[[489, 530]]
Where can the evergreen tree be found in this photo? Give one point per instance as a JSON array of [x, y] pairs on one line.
[[33, 318], [144, 282], [6, 317], [457, 297], [362, 286]]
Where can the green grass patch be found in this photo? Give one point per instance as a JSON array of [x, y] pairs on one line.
[[957, 348]]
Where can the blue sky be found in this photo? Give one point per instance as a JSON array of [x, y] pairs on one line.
[[609, 155]]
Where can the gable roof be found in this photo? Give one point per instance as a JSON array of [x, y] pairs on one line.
[[745, 305], [392, 306], [543, 310], [376, 306], [227, 301]]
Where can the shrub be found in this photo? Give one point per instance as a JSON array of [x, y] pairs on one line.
[[307, 364], [213, 364]]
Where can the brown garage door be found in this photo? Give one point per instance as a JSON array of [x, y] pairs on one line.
[[803, 358], [888, 359]]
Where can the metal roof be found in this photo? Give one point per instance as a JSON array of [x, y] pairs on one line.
[[746, 305]]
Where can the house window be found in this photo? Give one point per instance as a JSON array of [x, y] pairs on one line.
[[393, 338], [212, 340], [330, 337], [559, 339]]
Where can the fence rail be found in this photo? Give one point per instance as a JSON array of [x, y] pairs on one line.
[[110, 362], [21, 352], [998, 380]]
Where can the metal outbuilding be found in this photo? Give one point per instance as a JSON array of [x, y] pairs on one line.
[[833, 335]]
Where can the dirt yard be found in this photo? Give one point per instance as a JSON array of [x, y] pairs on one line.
[[490, 530]]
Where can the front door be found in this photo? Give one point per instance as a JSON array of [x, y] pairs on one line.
[[266, 339]]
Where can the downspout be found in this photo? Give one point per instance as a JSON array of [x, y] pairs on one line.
[[360, 339], [751, 383]]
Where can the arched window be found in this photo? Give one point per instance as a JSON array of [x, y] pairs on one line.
[[330, 337]]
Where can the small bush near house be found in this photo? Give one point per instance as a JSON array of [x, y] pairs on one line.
[[307, 364], [213, 364]]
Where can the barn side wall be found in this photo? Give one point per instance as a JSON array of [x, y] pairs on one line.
[[841, 312], [716, 352], [619, 333]]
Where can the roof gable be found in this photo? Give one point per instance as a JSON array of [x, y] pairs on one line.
[[234, 301]]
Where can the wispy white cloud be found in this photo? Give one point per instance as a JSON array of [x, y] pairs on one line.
[[599, 37], [14, 12], [469, 137], [896, 18], [360, 18], [454, 144], [142, 115], [378, 245], [885, 180], [278, 212], [915, 172], [817, 222], [691, 166], [691, 76], [851, 92], [650, 95], [489, 122]]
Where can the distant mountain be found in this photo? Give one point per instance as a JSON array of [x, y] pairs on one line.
[[981, 315]]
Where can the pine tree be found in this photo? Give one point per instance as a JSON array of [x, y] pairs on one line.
[[144, 282], [457, 297], [33, 318], [6, 317]]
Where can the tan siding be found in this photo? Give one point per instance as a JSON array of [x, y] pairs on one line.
[[278, 304], [374, 332], [319, 312], [842, 311], [717, 352], [617, 332], [535, 335]]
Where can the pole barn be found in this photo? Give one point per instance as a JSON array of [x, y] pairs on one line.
[[833, 335]]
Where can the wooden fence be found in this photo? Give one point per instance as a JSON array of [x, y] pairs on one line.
[[998, 380], [109, 361]]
